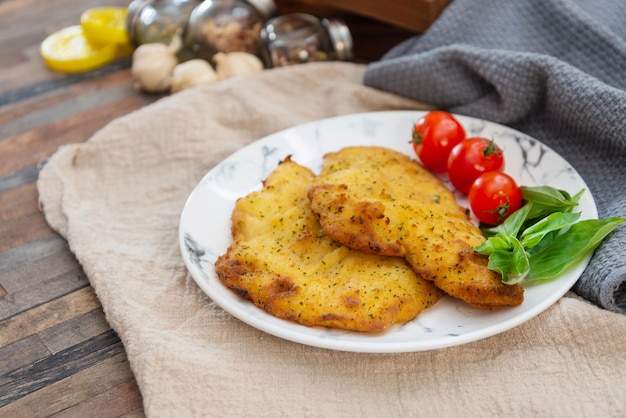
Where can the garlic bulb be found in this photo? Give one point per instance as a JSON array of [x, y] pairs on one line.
[[232, 64], [153, 65], [192, 73]]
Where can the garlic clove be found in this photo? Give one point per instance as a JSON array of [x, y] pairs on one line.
[[237, 63], [153, 65], [192, 73]]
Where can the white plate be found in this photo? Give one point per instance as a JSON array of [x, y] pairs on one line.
[[204, 232]]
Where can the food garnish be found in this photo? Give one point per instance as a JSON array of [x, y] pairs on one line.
[[494, 196], [105, 25], [544, 238], [70, 51], [100, 38], [471, 158], [532, 233]]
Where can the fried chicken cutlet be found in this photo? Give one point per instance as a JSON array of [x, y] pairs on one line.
[[381, 201], [283, 262]]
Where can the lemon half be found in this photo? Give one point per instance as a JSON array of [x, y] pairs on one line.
[[105, 24], [70, 51]]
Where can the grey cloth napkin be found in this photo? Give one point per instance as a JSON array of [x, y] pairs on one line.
[[553, 69]]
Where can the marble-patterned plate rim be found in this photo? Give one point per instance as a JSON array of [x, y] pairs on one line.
[[204, 230]]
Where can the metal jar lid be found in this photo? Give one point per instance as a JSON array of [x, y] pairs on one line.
[[297, 38], [157, 20], [227, 26], [341, 38], [134, 11]]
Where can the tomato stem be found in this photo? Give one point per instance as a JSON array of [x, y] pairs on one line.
[[502, 210], [416, 137], [490, 149]]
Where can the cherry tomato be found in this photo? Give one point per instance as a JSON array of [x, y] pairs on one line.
[[434, 136], [470, 158], [494, 195]]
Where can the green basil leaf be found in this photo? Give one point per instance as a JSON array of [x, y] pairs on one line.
[[511, 225], [521, 264], [567, 249], [547, 196], [553, 222], [502, 262], [498, 242], [577, 196], [547, 200], [545, 242], [512, 265]]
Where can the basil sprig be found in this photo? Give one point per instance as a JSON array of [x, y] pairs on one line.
[[543, 238]]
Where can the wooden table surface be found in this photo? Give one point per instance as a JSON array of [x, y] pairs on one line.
[[58, 355]]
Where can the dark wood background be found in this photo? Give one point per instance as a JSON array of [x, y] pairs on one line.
[[58, 355]]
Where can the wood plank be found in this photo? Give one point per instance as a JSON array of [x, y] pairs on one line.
[[57, 11], [14, 257], [31, 64], [64, 112], [30, 148], [17, 176], [37, 97], [11, 8], [21, 353], [74, 331], [373, 39], [48, 315], [413, 15], [33, 273], [18, 202], [75, 390], [29, 228], [115, 402], [56, 367], [43, 279]]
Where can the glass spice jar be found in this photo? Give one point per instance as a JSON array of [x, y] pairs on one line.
[[299, 38], [158, 20], [227, 26]]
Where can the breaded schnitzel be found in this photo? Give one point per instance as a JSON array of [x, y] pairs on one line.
[[381, 201], [283, 262]]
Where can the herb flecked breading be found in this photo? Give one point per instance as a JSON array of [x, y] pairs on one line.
[[381, 201], [282, 261]]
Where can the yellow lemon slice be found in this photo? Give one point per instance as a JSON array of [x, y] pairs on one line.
[[105, 24], [69, 51]]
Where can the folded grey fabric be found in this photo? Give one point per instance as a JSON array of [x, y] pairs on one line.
[[553, 69]]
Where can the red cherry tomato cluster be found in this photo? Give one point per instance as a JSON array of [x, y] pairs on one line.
[[474, 165], [471, 158]]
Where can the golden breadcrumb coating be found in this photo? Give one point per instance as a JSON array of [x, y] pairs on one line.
[[381, 201], [283, 262]]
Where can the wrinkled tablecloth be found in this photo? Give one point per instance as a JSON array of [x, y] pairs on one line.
[[117, 199], [554, 69]]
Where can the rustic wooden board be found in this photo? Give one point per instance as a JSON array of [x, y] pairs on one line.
[[58, 355], [47, 315], [412, 15]]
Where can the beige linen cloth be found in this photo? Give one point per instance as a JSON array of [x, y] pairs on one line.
[[117, 200]]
